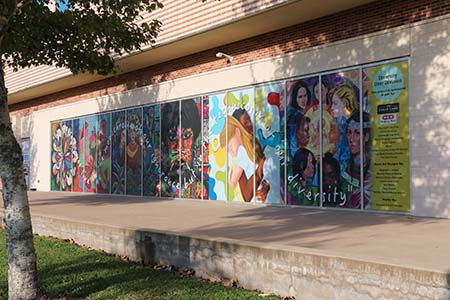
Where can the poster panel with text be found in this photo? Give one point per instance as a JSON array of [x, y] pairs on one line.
[[389, 146]]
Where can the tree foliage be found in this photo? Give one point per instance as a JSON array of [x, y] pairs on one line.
[[85, 36]]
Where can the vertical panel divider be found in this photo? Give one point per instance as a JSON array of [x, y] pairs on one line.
[[254, 146], [201, 147], [141, 141], [180, 188], [320, 142], [361, 138], [285, 143], [125, 151]]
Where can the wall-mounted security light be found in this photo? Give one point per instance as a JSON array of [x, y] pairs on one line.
[[223, 55]]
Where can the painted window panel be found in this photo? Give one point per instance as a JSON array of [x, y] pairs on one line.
[[104, 153], [152, 150], [269, 115], [341, 144], [78, 178], [205, 148], [90, 154], [191, 155], [217, 148], [118, 140], [303, 141], [170, 148], [134, 152], [57, 156], [244, 159], [69, 162]]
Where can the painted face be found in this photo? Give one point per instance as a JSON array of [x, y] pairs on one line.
[[330, 176], [302, 98], [309, 170], [324, 95], [302, 133], [246, 122], [337, 107], [187, 141], [133, 136], [353, 136]]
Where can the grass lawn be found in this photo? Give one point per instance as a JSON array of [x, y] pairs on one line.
[[76, 273]]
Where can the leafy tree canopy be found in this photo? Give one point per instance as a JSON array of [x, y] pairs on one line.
[[81, 35]]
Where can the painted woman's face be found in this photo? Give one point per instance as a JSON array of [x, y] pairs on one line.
[[246, 122], [309, 170], [337, 107], [302, 98], [302, 133], [353, 136], [324, 95]]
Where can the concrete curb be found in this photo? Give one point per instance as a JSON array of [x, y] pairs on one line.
[[286, 271]]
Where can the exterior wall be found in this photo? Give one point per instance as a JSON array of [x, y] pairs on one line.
[[200, 16], [425, 43]]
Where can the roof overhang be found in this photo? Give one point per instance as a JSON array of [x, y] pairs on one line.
[[280, 16]]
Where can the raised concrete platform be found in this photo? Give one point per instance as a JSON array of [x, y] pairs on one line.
[[306, 253]]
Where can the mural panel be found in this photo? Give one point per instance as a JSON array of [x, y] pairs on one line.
[[170, 148], [191, 154], [134, 152], [303, 141], [77, 134], [90, 154], [205, 148], [269, 115], [68, 166], [57, 156], [245, 158], [118, 140], [152, 150], [104, 153], [342, 155], [217, 147]]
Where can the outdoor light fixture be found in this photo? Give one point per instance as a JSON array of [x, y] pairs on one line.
[[223, 55]]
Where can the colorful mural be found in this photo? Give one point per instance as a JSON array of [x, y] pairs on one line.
[[303, 141], [205, 148], [191, 154], [342, 148], [217, 154], [134, 152], [243, 152], [152, 149], [274, 143], [269, 116], [104, 153], [170, 148], [118, 139]]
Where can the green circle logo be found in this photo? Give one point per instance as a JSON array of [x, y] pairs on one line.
[[388, 83]]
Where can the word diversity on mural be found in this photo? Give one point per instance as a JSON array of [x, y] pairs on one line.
[[332, 140]]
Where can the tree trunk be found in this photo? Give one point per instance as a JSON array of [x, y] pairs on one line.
[[22, 272]]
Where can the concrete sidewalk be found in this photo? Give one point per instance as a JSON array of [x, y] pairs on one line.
[[417, 243]]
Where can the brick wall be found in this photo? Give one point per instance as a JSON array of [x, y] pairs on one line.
[[373, 17]]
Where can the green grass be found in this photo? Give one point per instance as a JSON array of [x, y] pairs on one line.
[[77, 273]]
